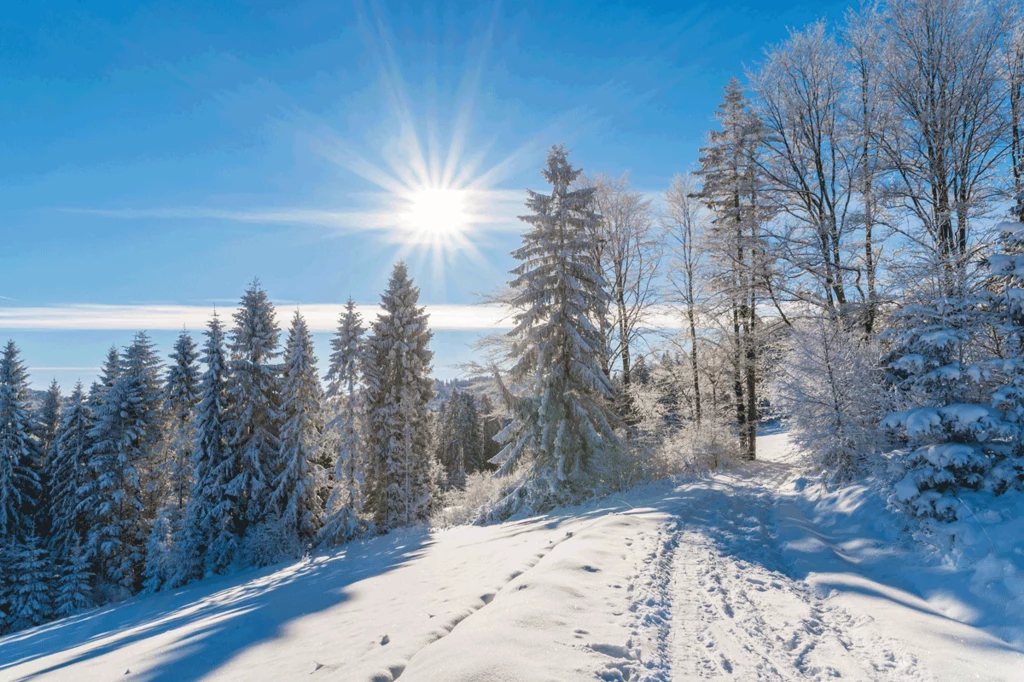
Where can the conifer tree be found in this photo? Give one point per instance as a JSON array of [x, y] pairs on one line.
[[125, 440], [490, 426], [562, 422], [398, 388], [46, 425], [181, 396], [73, 587], [161, 557], [953, 432], [65, 473], [295, 491], [342, 522], [49, 419], [254, 391], [1006, 302], [19, 481], [207, 541], [109, 372], [6, 583], [459, 438], [31, 599]]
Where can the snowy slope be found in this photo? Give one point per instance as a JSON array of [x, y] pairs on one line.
[[745, 574]]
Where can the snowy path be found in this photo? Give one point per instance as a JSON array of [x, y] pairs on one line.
[[753, 590], [736, 613], [724, 577]]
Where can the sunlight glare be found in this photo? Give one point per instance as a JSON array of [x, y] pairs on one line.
[[436, 212]]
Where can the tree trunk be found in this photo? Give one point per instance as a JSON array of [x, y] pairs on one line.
[[693, 359]]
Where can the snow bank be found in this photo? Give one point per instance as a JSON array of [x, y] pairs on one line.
[[968, 572]]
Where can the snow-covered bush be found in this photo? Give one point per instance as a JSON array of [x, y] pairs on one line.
[[161, 555], [269, 542], [830, 392], [461, 506]]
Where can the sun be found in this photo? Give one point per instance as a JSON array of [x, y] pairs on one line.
[[435, 213]]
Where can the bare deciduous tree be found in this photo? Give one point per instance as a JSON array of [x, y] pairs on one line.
[[627, 248], [806, 162], [944, 145], [684, 223]]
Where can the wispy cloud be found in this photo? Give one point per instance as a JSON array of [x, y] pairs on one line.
[[348, 220], [488, 211], [321, 317]]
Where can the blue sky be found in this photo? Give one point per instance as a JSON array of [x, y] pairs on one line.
[[158, 156]]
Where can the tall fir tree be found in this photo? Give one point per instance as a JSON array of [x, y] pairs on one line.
[[459, 439], [207, 542], [254, 390], [180, 399], [73, 593], [490, 426], [345, 402], [398, 388], [6, 583], [125, 439], [66, 474], [160, 567], [295, 493], [31, 599], [562, 422], [48, 421], [19, 451]]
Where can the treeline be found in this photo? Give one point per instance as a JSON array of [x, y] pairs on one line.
[[233, 454]]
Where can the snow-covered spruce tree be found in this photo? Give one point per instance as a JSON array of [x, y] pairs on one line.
[[109, 372], [180, 398], [207, 541], [831, 390], [65, 474], [1006, 302], [344, 505], [19, 480], [254, 395], [161, 554], [48, 420], [398, 388], [6, 584], [459, 439], [31, 599], [125, 439], [73, 592], [561, 428], [295, 490], [954, 434], [490, 426]]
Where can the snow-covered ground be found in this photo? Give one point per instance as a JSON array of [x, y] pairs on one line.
[[753, 573]]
